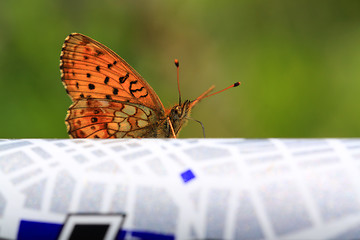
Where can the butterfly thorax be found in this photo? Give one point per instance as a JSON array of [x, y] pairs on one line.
[[178, 117]]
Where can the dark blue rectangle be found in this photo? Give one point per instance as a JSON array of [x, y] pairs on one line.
[[29, 230]]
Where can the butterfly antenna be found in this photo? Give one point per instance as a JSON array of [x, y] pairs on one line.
[[206, 94], [178, 81]]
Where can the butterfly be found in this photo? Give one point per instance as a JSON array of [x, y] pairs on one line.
[[110, 99]]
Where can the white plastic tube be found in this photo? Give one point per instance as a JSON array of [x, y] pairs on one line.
[[180, 188]]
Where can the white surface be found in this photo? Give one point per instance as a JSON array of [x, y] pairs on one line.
[[243, 188]]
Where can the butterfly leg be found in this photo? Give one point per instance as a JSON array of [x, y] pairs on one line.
[[172, 128]]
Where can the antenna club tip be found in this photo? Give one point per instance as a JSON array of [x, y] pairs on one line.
[[176, 63], [237, 84]]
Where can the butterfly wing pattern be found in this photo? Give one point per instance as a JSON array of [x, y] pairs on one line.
[[110, 99]]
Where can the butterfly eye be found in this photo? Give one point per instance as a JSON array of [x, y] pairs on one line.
[[177, 110]]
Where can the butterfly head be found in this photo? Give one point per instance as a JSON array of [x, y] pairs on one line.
[[178, 115]]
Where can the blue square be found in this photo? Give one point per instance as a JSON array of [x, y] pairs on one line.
[[187, 176]]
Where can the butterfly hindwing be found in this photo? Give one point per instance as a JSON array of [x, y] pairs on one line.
[[98, 118]]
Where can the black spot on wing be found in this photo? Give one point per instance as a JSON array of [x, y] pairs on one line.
[[123, 79], [98, 53], [145, 95], [132, 91]]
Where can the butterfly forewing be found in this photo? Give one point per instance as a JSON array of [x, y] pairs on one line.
[[91, 70]]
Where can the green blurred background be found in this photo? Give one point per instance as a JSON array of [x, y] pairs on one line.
[[298, 61]]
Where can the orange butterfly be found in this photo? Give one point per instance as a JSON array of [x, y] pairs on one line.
[[110, 99]]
